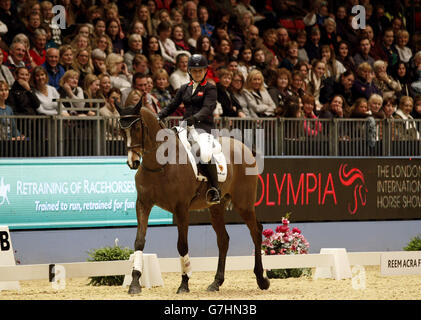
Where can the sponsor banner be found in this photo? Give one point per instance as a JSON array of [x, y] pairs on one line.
[[70, 193], [400, 263], [335, 189]]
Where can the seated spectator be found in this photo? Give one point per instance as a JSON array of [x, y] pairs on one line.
[[374, 106], [401, 74], [259, 61], [257, 96], [292, 56], [180, 75], [51, 65], [230, 107], [238, 92], [48, 15], [335, 108], [270, 38], [416, 111], [328, 34], [315, 79], [364, 53], [133, 98], [142, 14], [385, 50], [5, 73], [140, 83], [38, 52], [293, 109], [405, 130], [33, 23], [312, 47], [416, 85], [278, 89], [109, 110], [160, 90], [69, 89], [100, 27], [166, 45], [113, 31], [21, 98], [195, 32], [311, 128], [135, 45], [298, 84], [179, 38], [153, 46], [120, 76], [388, 107], [334, 68], [203, 15], [301, 39], [83, 65], [384, 82], [104, 43], [245, 61], [8, 128], [204, 47], [405, 53], [344, 57], [66, 57], [98, 61], [91, 90], [140, 64], [105, 84], [16, 56], [363, 86], [156, 62], [343, 87], [45, 93]]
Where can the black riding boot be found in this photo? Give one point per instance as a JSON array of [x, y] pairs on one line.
[[213, 194]]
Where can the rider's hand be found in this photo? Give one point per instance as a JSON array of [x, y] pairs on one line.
[[190, 121]]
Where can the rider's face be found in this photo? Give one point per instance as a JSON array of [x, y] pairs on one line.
[[198, 74]]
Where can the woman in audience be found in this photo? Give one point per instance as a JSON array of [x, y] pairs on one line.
[[91, 90], [117, 69], [384, 82], [69, 89], [257, 96], [230, 107], [83, 65], [335, 108], [315, 80], [363, 86], [66, 57], [405, 130], [278, 89], [105, 84], [46, 94], [238, 92]]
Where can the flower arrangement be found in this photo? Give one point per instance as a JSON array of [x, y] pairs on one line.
[[285, 241]]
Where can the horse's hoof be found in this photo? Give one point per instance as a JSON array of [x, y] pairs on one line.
[[264, 284], [135, 289], [183, 289], [213, 287]]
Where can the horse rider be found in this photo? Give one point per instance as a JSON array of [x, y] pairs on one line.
[[199, 99]]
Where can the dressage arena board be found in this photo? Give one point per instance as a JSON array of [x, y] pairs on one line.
[[107, 268]]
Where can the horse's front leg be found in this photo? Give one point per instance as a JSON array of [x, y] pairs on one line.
[[142, 213], [182, 217]]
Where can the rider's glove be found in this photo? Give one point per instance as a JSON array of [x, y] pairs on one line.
[[190, 121]]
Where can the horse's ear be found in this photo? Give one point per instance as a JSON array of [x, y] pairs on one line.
[[117, 105], [139, 104]]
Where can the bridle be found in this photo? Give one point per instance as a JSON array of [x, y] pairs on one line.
[[141, 146]]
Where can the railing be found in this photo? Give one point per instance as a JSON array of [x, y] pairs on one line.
[[54, 136]]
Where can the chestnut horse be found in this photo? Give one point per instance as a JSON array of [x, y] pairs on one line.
[[174, 187]]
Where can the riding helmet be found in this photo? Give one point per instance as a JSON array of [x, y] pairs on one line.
[[197, 61]]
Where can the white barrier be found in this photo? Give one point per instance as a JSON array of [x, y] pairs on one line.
[[108, 268]]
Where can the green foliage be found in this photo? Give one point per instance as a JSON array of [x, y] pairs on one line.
[[288, 273], [414, 244], [109, 254]]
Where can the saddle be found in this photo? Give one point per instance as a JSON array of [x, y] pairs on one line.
[[192, 147]]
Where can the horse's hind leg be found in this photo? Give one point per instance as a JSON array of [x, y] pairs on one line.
[[256, 228], [142, 213], [222, 238]]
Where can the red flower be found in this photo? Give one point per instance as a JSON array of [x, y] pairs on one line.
[[283, 228], [267, 232], [296, 230], [285, 222]]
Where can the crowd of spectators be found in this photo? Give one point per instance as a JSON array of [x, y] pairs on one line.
[[321, 68]]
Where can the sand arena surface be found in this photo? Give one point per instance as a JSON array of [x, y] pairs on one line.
[[238, 285]]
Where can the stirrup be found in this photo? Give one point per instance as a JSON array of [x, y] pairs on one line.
[[215, 201]]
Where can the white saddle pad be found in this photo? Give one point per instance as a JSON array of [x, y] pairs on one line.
[[218, 156]]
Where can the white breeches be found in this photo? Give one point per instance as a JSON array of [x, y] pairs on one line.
[[205, 142]]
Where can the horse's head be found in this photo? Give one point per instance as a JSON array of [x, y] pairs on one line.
[[131, 127], [135, 124]]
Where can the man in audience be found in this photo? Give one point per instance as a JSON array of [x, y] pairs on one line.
[[54, 70]]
